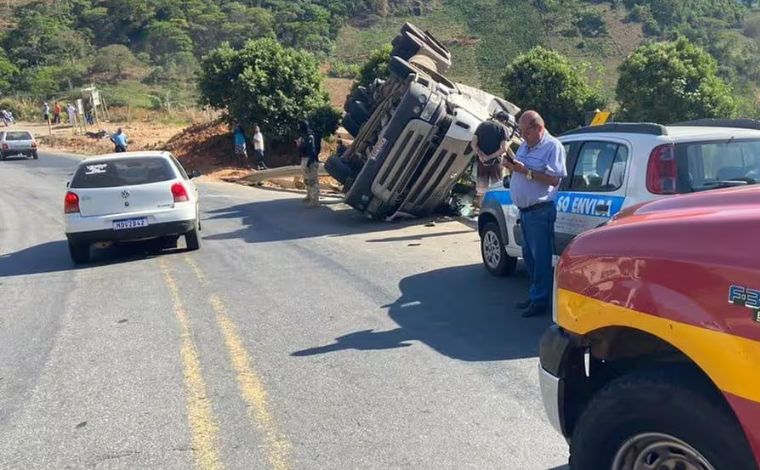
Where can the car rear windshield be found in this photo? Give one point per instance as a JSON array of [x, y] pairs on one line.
[[710, 165], [18, 136], [123, 172]]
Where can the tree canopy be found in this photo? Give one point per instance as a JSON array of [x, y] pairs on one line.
[[547, 82], [672, 81]]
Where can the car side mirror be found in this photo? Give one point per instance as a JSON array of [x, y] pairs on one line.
[[195, 174]]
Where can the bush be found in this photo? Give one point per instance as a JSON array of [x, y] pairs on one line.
[[325, 120], [263, 82], [545, 81], [591, 24], [343, 70], [375, 67], [672, 81]]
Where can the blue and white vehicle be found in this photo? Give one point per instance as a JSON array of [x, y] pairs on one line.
[[614, 166]]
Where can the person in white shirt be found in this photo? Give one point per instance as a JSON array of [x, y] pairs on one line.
[[258, 148]]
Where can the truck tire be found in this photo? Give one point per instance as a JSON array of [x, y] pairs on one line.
[[358, 111], [79, 252], [360, 94], [407, 45], [339, 169], [659, 410], [495, 258], [400, 67], [350, 125]]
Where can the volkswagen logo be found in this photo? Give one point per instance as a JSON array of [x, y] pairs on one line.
[[125, 194]]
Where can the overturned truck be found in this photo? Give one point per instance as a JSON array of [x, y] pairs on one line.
[[412, 132]]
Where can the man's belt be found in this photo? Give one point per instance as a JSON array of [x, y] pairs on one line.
[[535, 207]]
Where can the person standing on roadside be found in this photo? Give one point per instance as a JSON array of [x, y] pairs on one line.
[[238, 137], [490, 141], [537, 170], [46, 111], [258, 148], [57, 113], [307, 146], [71, 110], [120, 141]]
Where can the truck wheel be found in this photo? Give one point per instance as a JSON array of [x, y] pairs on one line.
[[358, 111], [400, 67], [495, 258], [350, 125], [79, 252], [338, 169], [659, 418]]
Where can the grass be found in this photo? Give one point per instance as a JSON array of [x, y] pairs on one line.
[[484, 36]]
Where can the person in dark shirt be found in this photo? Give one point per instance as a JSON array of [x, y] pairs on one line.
[[308, 148], [490, 142]]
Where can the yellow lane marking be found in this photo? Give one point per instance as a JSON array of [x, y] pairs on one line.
[[732, 362], [202, 421], [250, 384]]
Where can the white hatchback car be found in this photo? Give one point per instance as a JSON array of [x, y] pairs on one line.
[[128, 197], [617, 165]]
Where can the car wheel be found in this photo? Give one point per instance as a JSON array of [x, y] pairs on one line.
[[2, 156], [350, 125], [79, 252], [193, 238], [659, 418], [359, 112], [35, 156], [495, 258]]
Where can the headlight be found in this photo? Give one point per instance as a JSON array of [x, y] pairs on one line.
[[430, 107]]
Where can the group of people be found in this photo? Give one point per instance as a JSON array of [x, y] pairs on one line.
[[536, 170], [54, 116], [241, 145]]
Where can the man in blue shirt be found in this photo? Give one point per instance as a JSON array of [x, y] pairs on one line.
[[537, 171], [120, 141]]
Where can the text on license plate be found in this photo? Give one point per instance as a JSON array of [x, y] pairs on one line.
[[130, 223]]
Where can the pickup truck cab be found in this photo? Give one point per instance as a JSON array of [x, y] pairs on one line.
[[654, 358], [614, 166]]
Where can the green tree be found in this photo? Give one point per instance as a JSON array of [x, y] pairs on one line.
[[114, 60], [8, 72], [166, 39], [672, 81], [375, 67], [546, 81], [263, 82]]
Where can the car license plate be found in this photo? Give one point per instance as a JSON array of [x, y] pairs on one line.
[[130, 223]]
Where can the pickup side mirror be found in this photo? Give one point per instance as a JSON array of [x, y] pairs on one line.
[[195, 174]]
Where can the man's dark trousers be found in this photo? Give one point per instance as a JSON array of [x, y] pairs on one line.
[[538, 247]]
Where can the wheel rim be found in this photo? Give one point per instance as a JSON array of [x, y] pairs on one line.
[[491, 249], [654, 451]]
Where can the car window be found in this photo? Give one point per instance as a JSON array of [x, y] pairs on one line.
[[179, 167], [18, 136], [712, 164], [600, 166], [123, 172]]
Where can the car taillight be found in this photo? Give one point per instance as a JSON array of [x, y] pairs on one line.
[[662, 173], [179, 192], [71, 203], [34, 145], [6, 147]]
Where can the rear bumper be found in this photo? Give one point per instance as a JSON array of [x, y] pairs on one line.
[[140, 233], [13, 152]]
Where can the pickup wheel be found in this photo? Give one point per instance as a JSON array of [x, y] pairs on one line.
[[79, 252], [193, 238], [665, 418], [495, 258]]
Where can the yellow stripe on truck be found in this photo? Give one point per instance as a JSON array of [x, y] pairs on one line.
[[732, 362]]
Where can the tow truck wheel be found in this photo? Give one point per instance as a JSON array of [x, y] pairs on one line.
[[495, 258], [667, 418]]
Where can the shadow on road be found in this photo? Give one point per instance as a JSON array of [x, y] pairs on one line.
[[291, 219], [53, 257], [461, 312]]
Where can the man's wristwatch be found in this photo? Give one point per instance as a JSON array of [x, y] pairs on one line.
[[530, 175]]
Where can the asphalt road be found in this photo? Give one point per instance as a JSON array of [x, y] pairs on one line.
[[296, 338]]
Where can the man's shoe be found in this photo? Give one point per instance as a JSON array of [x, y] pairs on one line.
[[535, 310], [523, 305]]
